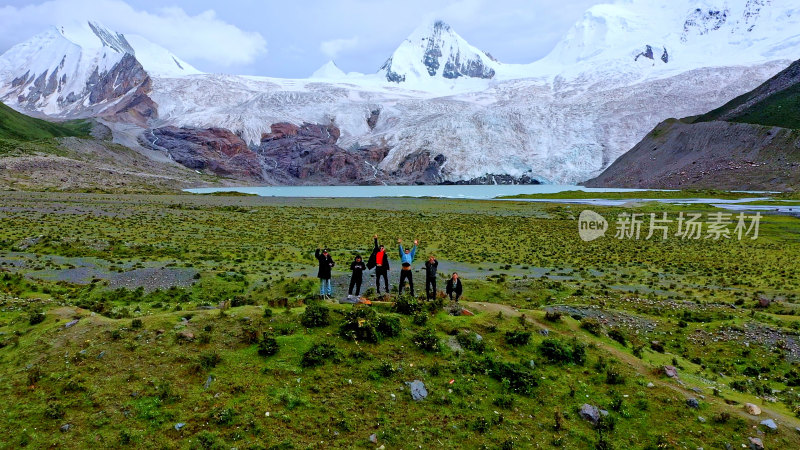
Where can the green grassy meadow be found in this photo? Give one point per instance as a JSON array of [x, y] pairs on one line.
[[192, 321]]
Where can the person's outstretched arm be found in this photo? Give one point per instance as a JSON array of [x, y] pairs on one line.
[[375, 241], [400, 247], [414, 249], [316, 253]]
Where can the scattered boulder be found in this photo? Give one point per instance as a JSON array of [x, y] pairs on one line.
[[208, 381], [671, 371], [756, 444], [373, 438], [466, 312], [752, 409], [544, 332], [590, 413], [701, 419], [650, 384], [66, 427], [101, 355], [692, 403], [769, 423], [179, 425], [71, 323], [418, 391], [452, 342], [185, 335]]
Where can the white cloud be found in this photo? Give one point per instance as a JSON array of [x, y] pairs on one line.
[[203, 37], [332, 48]]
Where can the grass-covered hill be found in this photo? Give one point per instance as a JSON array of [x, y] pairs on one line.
[[750, 143], [17, 126], [192, 322], [79, 155]]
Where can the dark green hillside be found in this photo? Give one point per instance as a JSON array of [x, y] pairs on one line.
[[14, 125]]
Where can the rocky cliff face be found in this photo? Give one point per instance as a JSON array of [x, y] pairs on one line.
[[308, 153], [750, 143], [708, 155], [213, 150]]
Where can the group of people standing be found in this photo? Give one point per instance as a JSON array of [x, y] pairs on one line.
[[379, 260]]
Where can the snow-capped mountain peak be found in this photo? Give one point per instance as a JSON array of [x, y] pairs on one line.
[[436, 50], [329, 71], [94, 35], [80, 69]]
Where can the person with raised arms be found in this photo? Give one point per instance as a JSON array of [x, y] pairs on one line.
[[324, 273], [406, 258], [379, 260]]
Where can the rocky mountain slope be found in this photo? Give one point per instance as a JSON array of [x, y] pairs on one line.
[[86, 70], [81, 156], [750, 143], [449, 109]]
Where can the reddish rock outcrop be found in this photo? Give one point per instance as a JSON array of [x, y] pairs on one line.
[[309, 153], [214, 150]]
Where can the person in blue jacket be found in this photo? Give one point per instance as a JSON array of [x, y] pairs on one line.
[[406, 259]]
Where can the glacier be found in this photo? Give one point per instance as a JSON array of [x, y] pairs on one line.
[[619, 71]]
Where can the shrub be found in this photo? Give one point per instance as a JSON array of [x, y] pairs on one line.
[[420, 319], [54, 410], [518, 338], [267, 346], [427, 341], [364, 324], [614, 376], [360, 324], [386, 369], [36, 318], [136, 324], [318, 354], [552, 316], [471, 341], [267, 313], [222, 416], [617, 335], [210, 360], [504, 401], [657, 346], [518, 377], [408, 305], [591, 325], [722, 417], [316, 316], [389, 326], [557, 351]]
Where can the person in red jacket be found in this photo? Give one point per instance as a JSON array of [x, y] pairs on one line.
[[379, 260]]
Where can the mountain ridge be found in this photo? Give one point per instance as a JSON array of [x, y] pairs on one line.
[[551, 121], [750, 143]]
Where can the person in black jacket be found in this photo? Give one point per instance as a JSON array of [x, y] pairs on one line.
[[431, 267], [379, 260], [454, 287], [358, 267], [324, 273]]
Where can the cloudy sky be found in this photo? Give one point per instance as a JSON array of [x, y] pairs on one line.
[[292, 39]]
